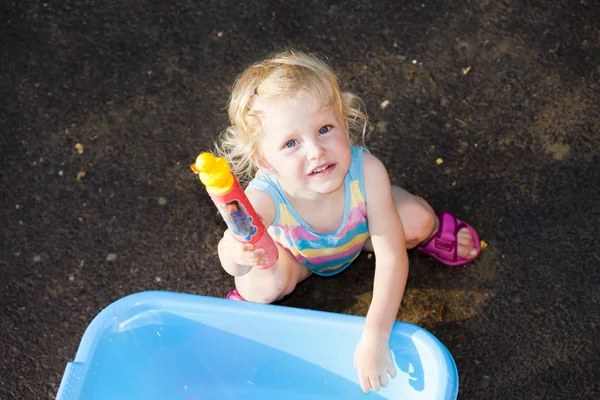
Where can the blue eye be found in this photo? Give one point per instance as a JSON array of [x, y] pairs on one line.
[[291, 143], [324, 130]]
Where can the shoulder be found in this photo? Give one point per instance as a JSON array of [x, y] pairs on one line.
[[373, 168], [376, 181], [261, 200]]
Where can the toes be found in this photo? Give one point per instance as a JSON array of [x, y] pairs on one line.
[[465, 244], [464, 237]]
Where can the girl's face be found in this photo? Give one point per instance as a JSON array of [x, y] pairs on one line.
[[307, 147]]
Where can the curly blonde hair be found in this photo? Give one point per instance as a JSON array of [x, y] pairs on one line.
[[284, 75]]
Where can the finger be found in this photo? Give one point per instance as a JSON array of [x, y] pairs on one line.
[[374, 381], [392, 372], [255, 257], [239, 245], [364, 383], [233, 245], [383, 380], [228, 234]]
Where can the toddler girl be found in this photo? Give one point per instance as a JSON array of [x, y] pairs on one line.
[[324, 199]]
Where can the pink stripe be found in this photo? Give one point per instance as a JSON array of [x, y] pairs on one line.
[[363, 208], [323, 259], [300, 232], [356, 217]]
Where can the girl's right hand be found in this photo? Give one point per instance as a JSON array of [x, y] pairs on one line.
[[242, 254]]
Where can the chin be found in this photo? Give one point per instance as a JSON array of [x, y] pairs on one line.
[[329, 187]]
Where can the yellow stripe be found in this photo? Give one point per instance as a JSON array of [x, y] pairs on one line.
[[285, 218], [356, 195], [309, 253]]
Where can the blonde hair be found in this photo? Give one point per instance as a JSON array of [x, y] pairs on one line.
[[285, 74]]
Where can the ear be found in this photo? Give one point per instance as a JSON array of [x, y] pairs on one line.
[[263, 165]]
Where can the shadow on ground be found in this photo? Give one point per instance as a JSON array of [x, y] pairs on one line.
[[107, 103]]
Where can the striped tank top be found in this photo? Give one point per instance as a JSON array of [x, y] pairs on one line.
[[323, 253]]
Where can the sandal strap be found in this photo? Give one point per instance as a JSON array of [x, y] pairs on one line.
[[447, 230], [444, 242]]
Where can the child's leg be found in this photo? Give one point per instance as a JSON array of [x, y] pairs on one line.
[[271, 284], [418, 218], [420, 223]]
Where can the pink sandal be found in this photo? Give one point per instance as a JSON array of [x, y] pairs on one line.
[[442, 246], [234, 295]]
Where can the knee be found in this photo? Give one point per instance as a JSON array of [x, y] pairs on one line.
[[269, 286], [421, 223]]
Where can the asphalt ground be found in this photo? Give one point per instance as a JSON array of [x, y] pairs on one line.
[[105, 104]]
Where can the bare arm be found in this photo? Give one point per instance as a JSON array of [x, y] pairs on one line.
[[389, 245], [372, 357]]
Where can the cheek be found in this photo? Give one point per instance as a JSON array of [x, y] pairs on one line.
[[268, 158], [299, 167]]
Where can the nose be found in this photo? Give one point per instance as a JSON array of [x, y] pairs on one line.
[[314, 150]]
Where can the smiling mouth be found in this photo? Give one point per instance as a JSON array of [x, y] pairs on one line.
[[322, 169]]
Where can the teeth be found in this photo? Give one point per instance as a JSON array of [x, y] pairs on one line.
[[316, 171]]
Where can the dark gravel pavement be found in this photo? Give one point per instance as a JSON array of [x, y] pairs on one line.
[[105, 104]]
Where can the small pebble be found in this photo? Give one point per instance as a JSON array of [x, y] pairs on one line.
[[158, 279], [111, 257], [37, 258], [162, 201]]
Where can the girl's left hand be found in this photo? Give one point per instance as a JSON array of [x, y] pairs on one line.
[[373, 360]]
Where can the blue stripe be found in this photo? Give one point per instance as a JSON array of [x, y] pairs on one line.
[[342, 267], [332, 263], [330, 242]]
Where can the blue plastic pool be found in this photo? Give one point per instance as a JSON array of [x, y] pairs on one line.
[[163, 346]]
